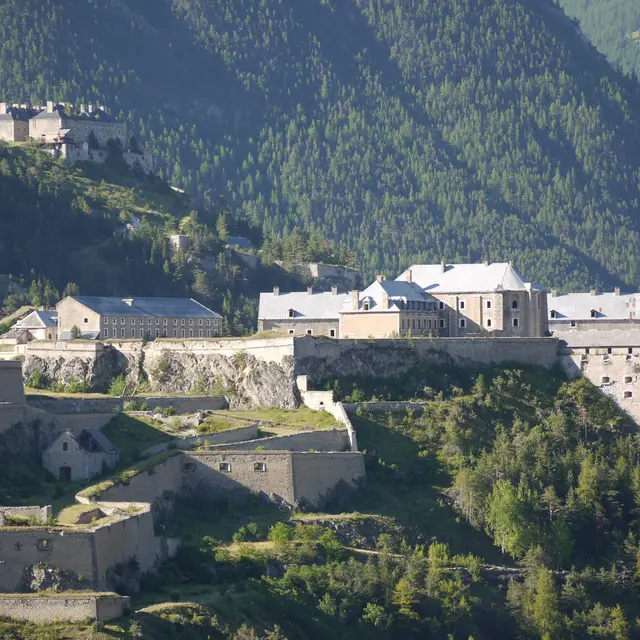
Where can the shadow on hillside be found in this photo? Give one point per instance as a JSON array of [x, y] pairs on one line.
[[406, 486]]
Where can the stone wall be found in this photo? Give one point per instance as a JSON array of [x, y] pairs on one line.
[[322, 359], [11, 388], [233, 474], [41, 514], [72, 607], [325, 440], [615, 371], [182, 405], [597, 333], [318, 477]]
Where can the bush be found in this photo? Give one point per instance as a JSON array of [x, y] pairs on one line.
[[280, 533], [131, 405], [36, 380], [118, 385], [77, 386], [144, 407]]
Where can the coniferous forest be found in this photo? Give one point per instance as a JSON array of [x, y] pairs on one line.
[[402, 130]]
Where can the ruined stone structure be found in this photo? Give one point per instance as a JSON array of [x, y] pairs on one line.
[[86, 554]]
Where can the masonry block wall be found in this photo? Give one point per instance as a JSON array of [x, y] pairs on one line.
[[326, 440], [11, 386], [74, 608]]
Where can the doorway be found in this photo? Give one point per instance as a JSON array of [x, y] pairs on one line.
[[65, 474]]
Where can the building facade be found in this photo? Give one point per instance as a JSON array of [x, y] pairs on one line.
[[100, 318], [69, 458], [301, 313], [14, 122], [389, 308], [482, 299]]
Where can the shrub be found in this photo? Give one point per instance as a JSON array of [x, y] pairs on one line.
[[144, 407], [280, 534], [131, 405], [118, 385], [77, 386], [36, 380]]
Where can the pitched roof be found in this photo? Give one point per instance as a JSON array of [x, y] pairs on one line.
[[146, 307], [398, 291], [465, 278], [315, 306], [100, 439], [59, 111], [39, 320], [607, 306]]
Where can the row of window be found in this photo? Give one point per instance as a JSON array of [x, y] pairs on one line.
[[165, 322], [488, 304], [225, 467], [123, 333], [44, 544], [607, 379], [332, 332]]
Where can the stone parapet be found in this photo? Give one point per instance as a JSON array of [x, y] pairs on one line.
[[72, 607]]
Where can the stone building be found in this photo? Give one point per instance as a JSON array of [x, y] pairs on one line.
[[14, 122], [482, 298], [69, 458], [301, 313], [389, 308], [41, 324], [80, 123], [100, 318]]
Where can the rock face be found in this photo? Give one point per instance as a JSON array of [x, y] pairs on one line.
[[42, 577]]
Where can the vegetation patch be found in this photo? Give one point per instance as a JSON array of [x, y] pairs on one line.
[[133, 434], [302, 417]]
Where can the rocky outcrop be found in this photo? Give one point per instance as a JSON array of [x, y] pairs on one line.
[[42, 577]]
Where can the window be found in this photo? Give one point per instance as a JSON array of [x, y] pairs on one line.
[[191, 333], [260, 466], [332, 333], [413, 323], [122, 333], [630, 350], [164, 333], [443, 323], [573, 323], [115, 320], [292, 331], [514, 304], [488, 304], [200, 323], [628, 394], [164, 322], [463, 323], [175, 321], [44, 544], [402, 323], [225, 467], [461, 305], [516, 322], [594, 313], [157, 333], [208, 333], [157, 320], [199, 333], [133, 333], [190, 320], [628, 379], [121, 320], [182, 322], [309, 332], [366, 306], [441, 305], [609, 350], [182, 333], [149, 321], [133, 320], [605, 380], [208, 323], [553, 313], [175, 333], [141, 320], [86, 321], [65, 446], [488, 322]]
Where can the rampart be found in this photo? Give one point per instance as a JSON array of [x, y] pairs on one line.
[[182, 405], [86, 554], [72, 607], [319, 440], [11, 389], [40, 514]]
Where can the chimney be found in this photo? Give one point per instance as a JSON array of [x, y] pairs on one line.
[[3, 107], [443, 265], [334, 291], [554, 293], [355, 299], [616, 291], [89, 108], [486, 263], [128, 301], [276, 291], [410, 276], [49, 106], [380, 278], [385, 300], [309, 291], [594, 292]]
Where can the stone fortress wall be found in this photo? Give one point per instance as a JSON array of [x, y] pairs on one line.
[[73, 607]]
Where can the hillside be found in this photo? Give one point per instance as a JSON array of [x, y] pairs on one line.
[[507, 509], [612, 27], [102, 229], [405, 131]]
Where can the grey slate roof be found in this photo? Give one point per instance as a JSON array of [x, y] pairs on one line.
[[101, 440], [399, 292], [60, 112], [147, 307], [607, 307], [466, 278], [40, 320], [317, 306]]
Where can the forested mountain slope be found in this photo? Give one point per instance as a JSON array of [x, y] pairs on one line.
[[611, 26], [406, 130]]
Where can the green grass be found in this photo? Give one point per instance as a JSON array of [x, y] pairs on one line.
[[132, 435], [216, 424], [53, 630], [302, 417]]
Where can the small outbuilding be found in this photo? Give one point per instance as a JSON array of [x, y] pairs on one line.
[[71, 458]]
